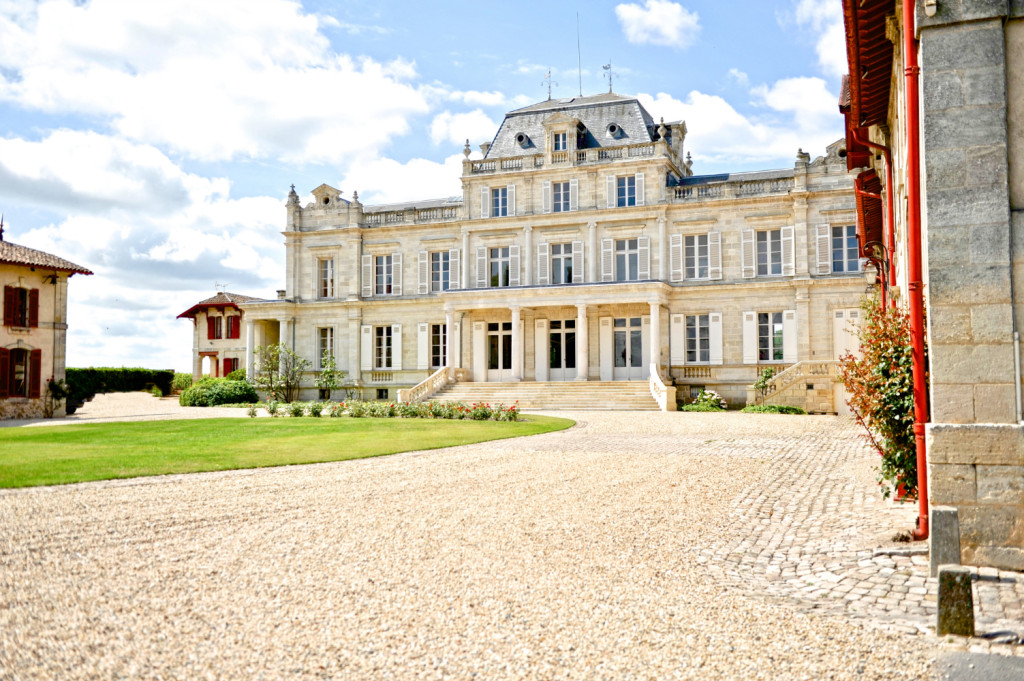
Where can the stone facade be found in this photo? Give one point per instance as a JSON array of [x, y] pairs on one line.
[[971, 55], [582, 248], [34, 330]]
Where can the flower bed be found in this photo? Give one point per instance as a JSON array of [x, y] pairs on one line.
[[479, 411]]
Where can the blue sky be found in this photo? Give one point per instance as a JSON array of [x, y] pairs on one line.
[[154, 142]]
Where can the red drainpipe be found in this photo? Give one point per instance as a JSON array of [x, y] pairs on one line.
[[912, 72], [890, 232]]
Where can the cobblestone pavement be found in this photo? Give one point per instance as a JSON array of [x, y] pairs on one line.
[[651, 545]]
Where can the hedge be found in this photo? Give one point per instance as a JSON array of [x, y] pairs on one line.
[[84, 383], [209, 392]]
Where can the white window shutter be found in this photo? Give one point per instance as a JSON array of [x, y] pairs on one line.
[[367, 276], [366, 348], [610, 189], [643, 245], [396, 274], [396, 347], [423, 346], [789, 336], [675, 257], [577, 261], [481, 267], [454, 280], [511, 189], [714, 255], [677, 339], [787, 252], [715, 336], [543, 265], [607, 260], [485, 202], [640, 189], [749, 270], [424, 273], [513, 265], [546, 196], [574, 194], [823, 238], [750, 338]]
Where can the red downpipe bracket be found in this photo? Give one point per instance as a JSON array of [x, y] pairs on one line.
[[890, 232], [912, 73]]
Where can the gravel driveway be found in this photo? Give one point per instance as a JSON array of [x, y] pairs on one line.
[[570, 555]]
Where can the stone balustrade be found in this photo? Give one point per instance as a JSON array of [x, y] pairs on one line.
[[578, 158], [412, 216], [665, 395], [732, 189]]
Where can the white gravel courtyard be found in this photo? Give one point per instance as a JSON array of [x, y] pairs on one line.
[[571, 555]]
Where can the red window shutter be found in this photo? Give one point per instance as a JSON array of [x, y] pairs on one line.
[[238, 326], [210, 328], [9, 303], [33, 308], [5, 372], [35, 365]]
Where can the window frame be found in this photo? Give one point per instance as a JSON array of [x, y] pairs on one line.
[[560, 262], [625, 191], [697, 346], [697, 253], [768, 242], [770, 337], [438, 345], [496, 256], [321, 337], [440, 271], [560, 193], [325, 278], [383, 345], [499, 202], [851, 263], [626, 259], [383, 275], [560, 141]]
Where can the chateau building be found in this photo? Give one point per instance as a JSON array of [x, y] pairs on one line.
[[217, 348], [582, 248], [33, 335]]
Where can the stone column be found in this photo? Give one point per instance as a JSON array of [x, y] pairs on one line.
[[250, 346], [662, 249], [582, 344], [468, 263], [528, 256], [656, 334], [593, 254], [449, 327], [517, 346], [285, 338]]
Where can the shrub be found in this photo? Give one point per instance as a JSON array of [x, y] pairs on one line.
[[253, 411], [297, 409], [236, 375], [880, 391], [336, 409], [210, 392], [272, 407], [763, 381], [503, 413], [700, 407], [316, 409], [156, 391], [84, 383], [181, 381], [480, 412], [710, 399], [772, 409]]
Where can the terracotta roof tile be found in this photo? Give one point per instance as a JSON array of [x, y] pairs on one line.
[[23, 255], [222, 299]]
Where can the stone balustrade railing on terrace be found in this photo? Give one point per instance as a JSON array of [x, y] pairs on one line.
[[731, 189], [411, 216], [562, 158]]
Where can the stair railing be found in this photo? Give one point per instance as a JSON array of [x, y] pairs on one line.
[[664, 395], [431, 385]]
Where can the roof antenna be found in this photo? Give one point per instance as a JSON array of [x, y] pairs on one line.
[[579, 56], [608, 72], [549, 82], [1, 226], [221, 288]]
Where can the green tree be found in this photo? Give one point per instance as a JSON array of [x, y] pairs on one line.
[[329, 378], [278, 371]]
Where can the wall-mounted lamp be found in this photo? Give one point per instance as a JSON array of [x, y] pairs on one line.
[[931, 7]]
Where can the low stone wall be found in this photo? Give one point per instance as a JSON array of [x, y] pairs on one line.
[[21, 408], [979, 469]]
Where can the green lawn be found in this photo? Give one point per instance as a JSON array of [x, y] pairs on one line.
[[52, 455]]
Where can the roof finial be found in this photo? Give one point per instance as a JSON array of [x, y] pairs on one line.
[[1, 226], [549, 83], [466, 151], [608, 72]]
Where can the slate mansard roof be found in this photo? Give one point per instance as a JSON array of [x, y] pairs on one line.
[[596, 112], [30, 257], [222, 299]]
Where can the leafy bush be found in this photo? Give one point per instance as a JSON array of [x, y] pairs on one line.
[[210, 392], [181, 381], [700, 407], [316, 409], [156, 391], [297, 409], [425, 410], [253, 411], [84, 383], [764, 380], [336, 409], [772, 409], [272, 407], [236, 375], [709, 399], [880, 390]]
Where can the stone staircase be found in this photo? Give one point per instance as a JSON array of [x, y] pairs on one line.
[[625, 395]]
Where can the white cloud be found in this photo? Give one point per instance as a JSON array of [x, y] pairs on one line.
[[457, 128], [825, 17], [739, 77], [385, 180], [211, 80], [658, 22]]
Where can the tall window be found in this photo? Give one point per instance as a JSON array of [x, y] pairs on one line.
[[438, 345], [234, 326], [326, 278], [560, 197], [382, 347], [383, 272], [769, 336], [626, 191], [230, 364], [560, 143], [439, 269], [697, 256], [500, 266], [627, 260], [698, 339], [769, 252], [845, 255], [325, 345], [561, 263], [499, 202], [19, 304], [214, 328]]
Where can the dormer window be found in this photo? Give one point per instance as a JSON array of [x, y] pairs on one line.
[[523, 140], [560, 142], [614, 130]]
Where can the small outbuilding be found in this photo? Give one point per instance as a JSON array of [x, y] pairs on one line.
[[217, 344]]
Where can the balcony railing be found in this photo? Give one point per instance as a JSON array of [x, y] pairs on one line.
[[577, 158], [732, 189], [411, 216]]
